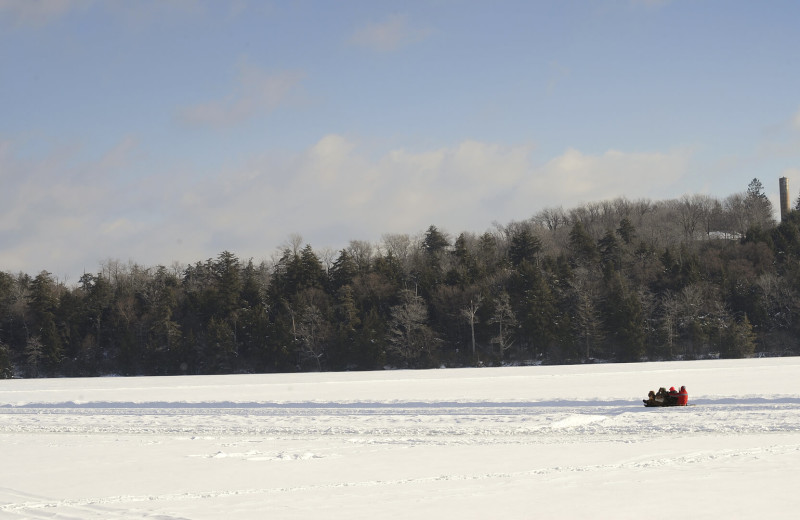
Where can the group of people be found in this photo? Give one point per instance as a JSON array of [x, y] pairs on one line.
[[666, 397]]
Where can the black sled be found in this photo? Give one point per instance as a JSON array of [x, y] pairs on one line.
[[649, 403]]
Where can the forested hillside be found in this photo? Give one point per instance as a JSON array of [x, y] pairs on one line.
[[616, 280]]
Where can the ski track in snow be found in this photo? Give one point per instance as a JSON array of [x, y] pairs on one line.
[[30, 507], [434, 424]]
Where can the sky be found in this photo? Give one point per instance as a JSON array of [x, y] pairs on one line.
[[162, 131]]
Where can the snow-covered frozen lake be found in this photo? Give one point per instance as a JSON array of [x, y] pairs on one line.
[[509, 443]]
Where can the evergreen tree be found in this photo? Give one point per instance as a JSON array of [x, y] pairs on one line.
[[347, 323], [538, 311], [5, 362], [758, 206], [220, 351], [370, 343], [610, 251], [312, 274], [460, 250], [251, 286], [584, 315], [738, 340], [524, 246], [581, 245], [343, 271], [44, 301], [428, 272], [163, 333], [34, 353], [227, 271], [786, 239], [626, 231], [464, 269], [623, 319], [97, 338], [435, 242], [489, 258]]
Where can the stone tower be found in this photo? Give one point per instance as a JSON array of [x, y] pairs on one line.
[[785, 207]]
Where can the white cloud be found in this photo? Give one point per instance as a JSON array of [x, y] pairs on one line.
[[255, 93], [574, 177], [53, 211], [69, 220], [336, 191], [389, 35]]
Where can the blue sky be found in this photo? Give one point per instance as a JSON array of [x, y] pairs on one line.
[[171, 130]]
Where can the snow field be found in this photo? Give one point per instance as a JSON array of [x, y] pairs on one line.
[[527, 442]]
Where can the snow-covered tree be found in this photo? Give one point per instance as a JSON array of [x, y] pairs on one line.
[[470, 314], [409, 334], [506, 320]]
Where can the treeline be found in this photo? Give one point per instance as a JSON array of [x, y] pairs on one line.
[[611, 281]]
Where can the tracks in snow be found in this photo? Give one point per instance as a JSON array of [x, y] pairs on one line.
[[28, 506], [474, 423]]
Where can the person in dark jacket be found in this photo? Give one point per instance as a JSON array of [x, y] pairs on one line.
[[667, 398]]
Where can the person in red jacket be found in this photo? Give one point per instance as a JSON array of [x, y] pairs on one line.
[[683, 397], [672, 396]]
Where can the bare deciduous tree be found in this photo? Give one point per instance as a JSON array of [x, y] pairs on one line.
[[400, 246], [362, 253], [551, 218], [670, 308], [409, 332], [470, 313], [505, 319], [691, 212], [312, 332], [778, 299]]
